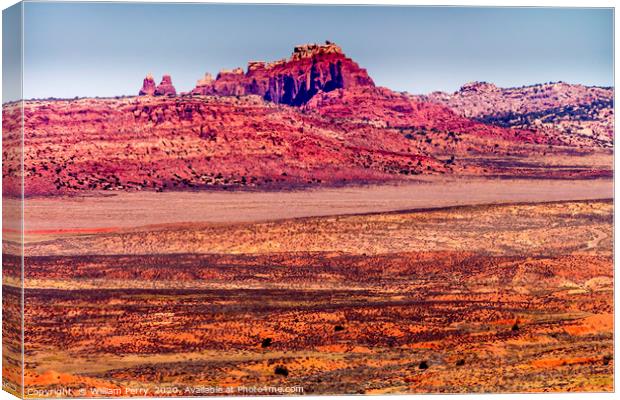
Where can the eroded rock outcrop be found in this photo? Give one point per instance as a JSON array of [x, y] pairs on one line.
[[206, 81], [165, 88], [478, 87], [577, 115], [148, 86], [311, 69]]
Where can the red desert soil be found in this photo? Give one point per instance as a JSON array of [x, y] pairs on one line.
[[490, 229], [498, 298]]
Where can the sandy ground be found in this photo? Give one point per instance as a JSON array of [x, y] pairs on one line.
[[489, 298], [126, 210], [526, 229]]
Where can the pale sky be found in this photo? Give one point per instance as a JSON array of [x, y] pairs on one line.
[[106, 49]]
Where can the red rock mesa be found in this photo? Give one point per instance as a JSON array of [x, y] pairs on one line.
[[311, 69]]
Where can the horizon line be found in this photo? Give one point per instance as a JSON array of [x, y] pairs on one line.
[[188, 94]]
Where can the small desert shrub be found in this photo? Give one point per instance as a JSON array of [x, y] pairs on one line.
[[515, 327], [266, 342]]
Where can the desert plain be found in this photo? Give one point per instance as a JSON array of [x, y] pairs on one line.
[[482, 294]]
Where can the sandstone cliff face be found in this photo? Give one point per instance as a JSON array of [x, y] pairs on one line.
[[310, 69], [577, 115]]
